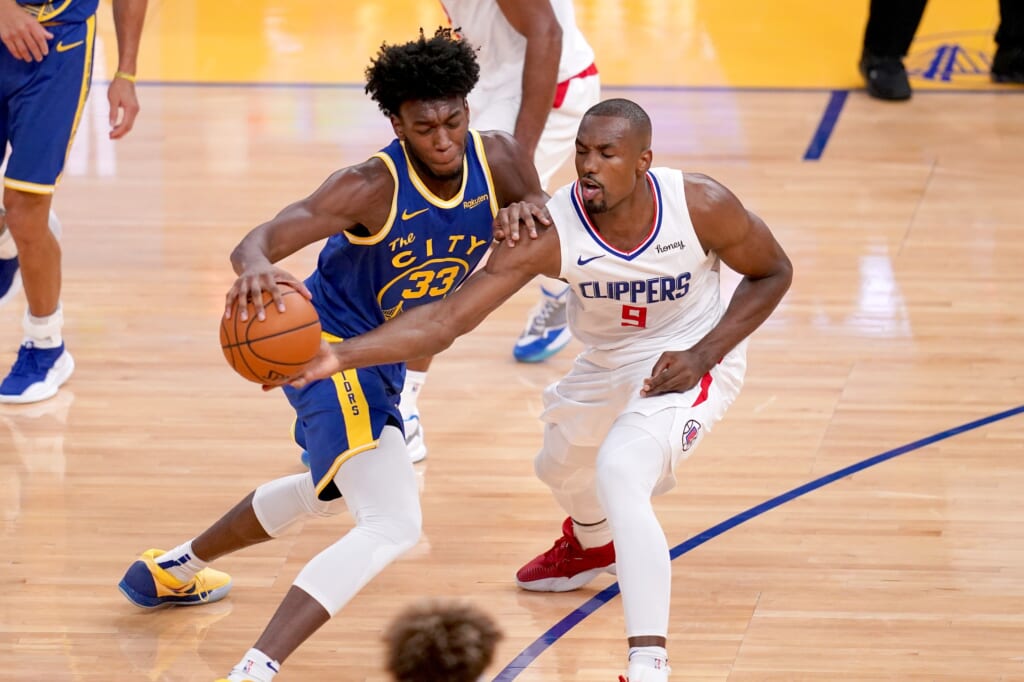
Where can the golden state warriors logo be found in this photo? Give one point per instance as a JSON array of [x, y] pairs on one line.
[[427, 268], [951, 59]]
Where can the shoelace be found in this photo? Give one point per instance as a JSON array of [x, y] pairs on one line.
[[204, 594], [540, 320], [560, 551], [26, 363]]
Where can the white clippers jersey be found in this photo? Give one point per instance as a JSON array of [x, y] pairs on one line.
[[502, 49], [663, 295]]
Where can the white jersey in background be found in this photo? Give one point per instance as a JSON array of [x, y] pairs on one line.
[[502, 49], [663, 295]]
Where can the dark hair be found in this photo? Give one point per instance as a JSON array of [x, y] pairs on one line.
[[440, 641], [425, 69], [626, 109]]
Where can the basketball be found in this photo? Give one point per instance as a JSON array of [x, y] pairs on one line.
[[277, 348]]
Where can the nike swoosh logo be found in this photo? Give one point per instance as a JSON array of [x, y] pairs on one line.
[[61, 47], [406, 215], [580, 260]]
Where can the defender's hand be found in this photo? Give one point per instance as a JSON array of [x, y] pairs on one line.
[[507, 222]]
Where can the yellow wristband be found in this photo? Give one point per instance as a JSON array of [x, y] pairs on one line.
[[127, 76]]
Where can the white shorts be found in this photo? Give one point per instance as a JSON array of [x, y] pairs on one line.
[[585, 403], [496, 112]]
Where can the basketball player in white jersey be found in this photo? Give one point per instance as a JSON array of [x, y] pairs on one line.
[[537, 78], [664, 357]]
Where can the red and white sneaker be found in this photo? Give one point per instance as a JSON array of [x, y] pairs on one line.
[[566, 566]]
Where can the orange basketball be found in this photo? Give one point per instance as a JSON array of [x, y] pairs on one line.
[[272, 350]]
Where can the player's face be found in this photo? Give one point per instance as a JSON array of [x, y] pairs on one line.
[[610, 160], [435, 133]]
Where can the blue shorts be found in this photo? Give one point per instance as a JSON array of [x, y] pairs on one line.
[[40, 105], [338, 418]]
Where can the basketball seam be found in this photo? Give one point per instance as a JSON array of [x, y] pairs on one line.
[[271, 336]]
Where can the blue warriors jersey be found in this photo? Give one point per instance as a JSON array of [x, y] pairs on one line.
[[427, 247], [63, 11]]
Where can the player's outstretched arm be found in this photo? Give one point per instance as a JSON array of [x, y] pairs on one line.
[[429, 329], [745, 244], [357, 195]]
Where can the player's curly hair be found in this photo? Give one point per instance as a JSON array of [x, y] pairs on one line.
[[424, 69], [439, 640]]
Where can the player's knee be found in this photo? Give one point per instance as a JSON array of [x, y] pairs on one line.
[[400, 528], [27, 214], [548, 469]]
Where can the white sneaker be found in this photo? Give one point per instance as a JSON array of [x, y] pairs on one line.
[[547, 330], [414, 439]]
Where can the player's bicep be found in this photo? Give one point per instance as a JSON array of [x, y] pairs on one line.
[[753, 252], [739, 237]]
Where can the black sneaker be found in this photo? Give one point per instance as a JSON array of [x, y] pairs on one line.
[[1008, 65], [886, 77]]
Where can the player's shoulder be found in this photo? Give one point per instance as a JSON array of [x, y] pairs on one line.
[[367, 177], [498, 144], [705, 195]]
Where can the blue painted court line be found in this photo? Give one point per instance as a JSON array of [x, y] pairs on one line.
[[559, 629], [826, 125]]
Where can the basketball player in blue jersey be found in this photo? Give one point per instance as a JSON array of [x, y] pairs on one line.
[[663, 357], [45, 73], [403, 228]]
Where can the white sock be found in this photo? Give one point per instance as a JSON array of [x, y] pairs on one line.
[[44, 332], [413, 383], [649, 657], [7, 248], [592, 535], [181, 562], [255, 666]]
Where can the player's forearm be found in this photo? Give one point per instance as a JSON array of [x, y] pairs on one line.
[[752, 303], [414, 334], [540, 78], [129, 16], [251, 251]]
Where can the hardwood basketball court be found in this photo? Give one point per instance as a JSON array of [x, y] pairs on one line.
[[901, 336]]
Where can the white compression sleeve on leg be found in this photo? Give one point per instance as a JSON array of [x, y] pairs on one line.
[[569, 471], [379, 487], [631, 461], [283, 501]]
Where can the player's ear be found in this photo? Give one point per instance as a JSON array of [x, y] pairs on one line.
[[643, 164], [465, 103], [396, 125]]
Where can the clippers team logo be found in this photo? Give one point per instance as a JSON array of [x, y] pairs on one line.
[[690, 433], [951, 58]]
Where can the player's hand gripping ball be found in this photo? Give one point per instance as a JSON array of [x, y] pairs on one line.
[[272, 350]]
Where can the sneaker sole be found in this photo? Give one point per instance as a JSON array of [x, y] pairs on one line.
[[565, 584], [521, 354], [46, 392]]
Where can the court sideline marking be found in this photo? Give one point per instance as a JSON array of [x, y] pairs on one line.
[[559, 629]]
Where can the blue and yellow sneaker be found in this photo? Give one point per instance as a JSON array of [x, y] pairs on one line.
[[547, 329], [151, 587]]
